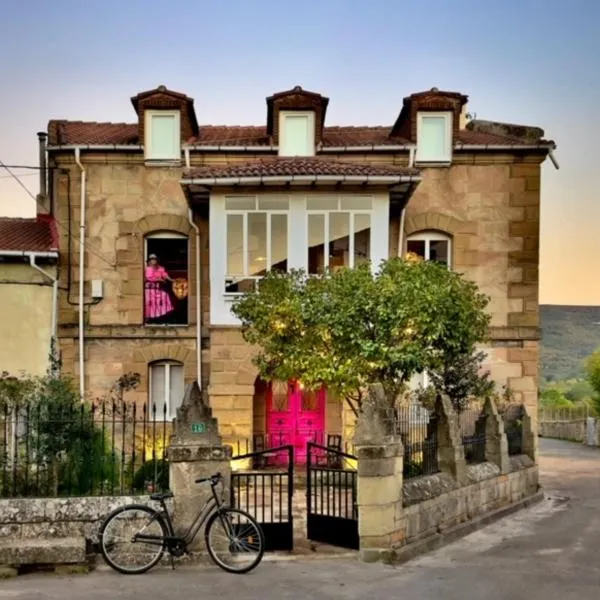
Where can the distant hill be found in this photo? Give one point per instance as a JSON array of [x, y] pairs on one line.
[[569, 335]]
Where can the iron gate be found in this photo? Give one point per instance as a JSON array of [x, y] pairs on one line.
[[267, 494], [332, 513]]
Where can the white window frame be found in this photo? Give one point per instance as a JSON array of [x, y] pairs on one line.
[[245, 266], [351, 233], [310, 142], [167, 364], [428, 237], [447, 157], [148, 153]]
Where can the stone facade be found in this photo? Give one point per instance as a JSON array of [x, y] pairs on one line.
[[486, 202]]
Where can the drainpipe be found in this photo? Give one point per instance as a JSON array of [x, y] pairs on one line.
[[54, 281], [198, 303], [186, 153], [81, 272], [411, 164]]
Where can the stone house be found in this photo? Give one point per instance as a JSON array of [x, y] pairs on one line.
[[219, 205], [28, 293]]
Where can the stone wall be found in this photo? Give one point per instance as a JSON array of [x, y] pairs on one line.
[[586, 431], [24, 520], [437, 503], [395, 513], [574, 431]]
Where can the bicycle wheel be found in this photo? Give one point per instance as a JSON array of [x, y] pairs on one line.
[[234, 540], [118, 545]]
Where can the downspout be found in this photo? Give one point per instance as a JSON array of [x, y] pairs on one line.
[[54, 280], [411, 164], [186, 152], [81, 272], [198, 303]]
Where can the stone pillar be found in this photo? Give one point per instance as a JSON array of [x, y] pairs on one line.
[[380, 525], [451, 452], [379, 486], [496, 444], [195, 451], [529, 440]]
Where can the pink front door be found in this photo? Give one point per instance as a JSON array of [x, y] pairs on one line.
[[295, 416]]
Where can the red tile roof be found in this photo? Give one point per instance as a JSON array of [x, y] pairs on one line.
[[78, 132], [28, 235], [274, 167]]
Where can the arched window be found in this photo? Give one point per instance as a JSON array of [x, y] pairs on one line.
[[165, 389], [431, 245], [166, 279]]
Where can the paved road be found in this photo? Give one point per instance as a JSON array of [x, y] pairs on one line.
[[547, 552]]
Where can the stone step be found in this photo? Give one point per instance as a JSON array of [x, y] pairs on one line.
[[15, 553]]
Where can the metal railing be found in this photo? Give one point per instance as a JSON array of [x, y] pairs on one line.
[[472, 422], [105, 448]]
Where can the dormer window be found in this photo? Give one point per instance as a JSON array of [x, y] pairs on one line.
[[162, 130], [434, 137], [296, 133]]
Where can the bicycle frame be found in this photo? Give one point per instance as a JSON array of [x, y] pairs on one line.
[[211, 505]]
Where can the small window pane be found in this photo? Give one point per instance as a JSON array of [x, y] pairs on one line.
[[339, 240], [235, 244], [257, 243], [416, 247], [240, 203], [177, 389], [157, 391], [296, 137], [356, 203], [316, 243], [322, 203], [432, 142], [277, 203], [279, 242], [438, 251], [362, 238], [164, 137]]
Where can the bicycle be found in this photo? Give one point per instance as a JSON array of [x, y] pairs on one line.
[[240, 537]]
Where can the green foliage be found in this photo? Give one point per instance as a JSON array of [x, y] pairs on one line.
[[55, 446], [592, 369], [153, 473], [461, 378], [351, 327], [553, 398]]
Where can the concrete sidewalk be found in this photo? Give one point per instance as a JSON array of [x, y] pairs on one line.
[[545, 552]]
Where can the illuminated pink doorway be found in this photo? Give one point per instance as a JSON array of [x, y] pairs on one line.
[[295, 416]]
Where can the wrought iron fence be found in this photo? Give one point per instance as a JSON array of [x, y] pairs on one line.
[[472, 422], [106, 448], [417, 427]]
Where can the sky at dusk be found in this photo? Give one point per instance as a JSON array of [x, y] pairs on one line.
[[535, 62]]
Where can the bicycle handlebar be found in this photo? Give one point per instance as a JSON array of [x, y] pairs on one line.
[[213, 479]]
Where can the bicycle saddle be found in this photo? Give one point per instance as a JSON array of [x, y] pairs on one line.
[[161, 496]]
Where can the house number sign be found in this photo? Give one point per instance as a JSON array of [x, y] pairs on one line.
[[198, 427]]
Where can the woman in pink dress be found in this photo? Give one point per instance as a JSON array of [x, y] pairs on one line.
[[157, 302]]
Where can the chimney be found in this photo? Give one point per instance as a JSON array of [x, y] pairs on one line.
[[43, 206]]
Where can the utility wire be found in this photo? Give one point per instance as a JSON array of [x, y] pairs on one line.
[[16, 178]]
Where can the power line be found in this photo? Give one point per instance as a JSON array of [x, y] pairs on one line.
[[16, 178], [20, 175], [25, 167]]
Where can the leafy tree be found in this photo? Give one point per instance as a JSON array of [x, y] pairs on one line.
[[553, 398], [352, 327], [592, 369], [460, 377]]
